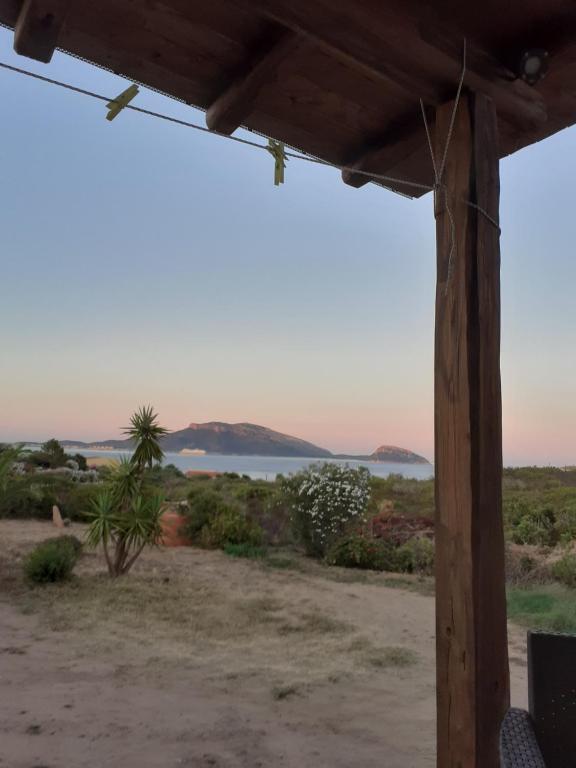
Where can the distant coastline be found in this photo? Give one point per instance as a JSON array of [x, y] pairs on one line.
[[218, 438], [263, 467]]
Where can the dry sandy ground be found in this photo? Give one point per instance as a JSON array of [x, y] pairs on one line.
[[197, 659]]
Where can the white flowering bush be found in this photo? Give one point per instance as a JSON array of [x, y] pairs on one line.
[[324, 500]]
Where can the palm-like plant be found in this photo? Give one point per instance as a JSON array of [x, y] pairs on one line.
[[146, 434], [126, 517]]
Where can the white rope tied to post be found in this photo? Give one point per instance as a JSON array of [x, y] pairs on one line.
[[439, 186], [439, 171]]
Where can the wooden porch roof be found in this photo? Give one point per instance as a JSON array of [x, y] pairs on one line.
[[339, 79]]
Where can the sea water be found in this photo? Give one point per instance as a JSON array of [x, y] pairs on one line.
[[268, 467]]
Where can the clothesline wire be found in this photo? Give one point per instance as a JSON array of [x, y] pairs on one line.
[[382, 178], [195, 126]]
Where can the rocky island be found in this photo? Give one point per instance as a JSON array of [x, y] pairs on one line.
[[246, 439]]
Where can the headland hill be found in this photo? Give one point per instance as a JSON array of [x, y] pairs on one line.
[[217, 437]]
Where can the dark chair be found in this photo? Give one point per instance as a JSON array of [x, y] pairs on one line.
[[546, 736]]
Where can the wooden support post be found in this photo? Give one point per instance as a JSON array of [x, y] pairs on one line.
[[471, 637]]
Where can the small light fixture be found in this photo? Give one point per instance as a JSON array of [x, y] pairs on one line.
[[533, 65]]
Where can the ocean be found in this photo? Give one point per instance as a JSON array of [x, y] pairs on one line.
[[268, 467]]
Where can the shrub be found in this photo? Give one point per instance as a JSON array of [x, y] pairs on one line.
[[33, 496], [537, 525], [203, 507], [27, 499], [522, 569], [231, 527], [566, 521], [265, 505], [72, 541], [52, 560], [324, 500], [357, 551], [398, 529], [416, 556], [564, 570], [54, 453]]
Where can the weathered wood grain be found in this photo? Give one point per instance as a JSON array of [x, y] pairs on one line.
[[472, 660]]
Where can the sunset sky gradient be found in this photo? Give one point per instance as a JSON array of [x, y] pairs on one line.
[[147, 263]]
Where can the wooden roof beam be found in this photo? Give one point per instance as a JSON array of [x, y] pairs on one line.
[[38, 28], [344, 37], [424, 70], [236, 103], [519, 103], [398, 142]]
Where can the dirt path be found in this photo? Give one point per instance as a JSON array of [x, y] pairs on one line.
[[201, 660]]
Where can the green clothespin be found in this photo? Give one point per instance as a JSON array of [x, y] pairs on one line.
[[117, 105], [276, 149]]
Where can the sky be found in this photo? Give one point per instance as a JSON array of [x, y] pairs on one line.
[[143, 262]]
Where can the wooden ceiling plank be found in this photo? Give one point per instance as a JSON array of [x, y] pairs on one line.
[[345, 38], [350, 37], [38, 28], [237, 101], [409, 67]]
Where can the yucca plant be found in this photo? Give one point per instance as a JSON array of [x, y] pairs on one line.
[[126, 517], [146, 434]]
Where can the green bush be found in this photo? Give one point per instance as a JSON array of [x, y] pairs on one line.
[[566, 521], [231, 527], [73, 541], [564, 570], [537, 525], [33, 496], [264, 503], [27, 498], [203, 507], [75, 499], [81, 461], [357, 551], [416, 556], [325, 500], [52, 560]]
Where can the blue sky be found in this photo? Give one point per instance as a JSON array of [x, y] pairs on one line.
[[146, 262]]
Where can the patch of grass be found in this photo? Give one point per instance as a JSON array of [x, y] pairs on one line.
[[564, 571], [423, 585], [282, 563], [419, 584], [313, 624], [261, 609], [281, 692], [387, 657], [245, 550], [549, 607], [394, 656], [360, 644]]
